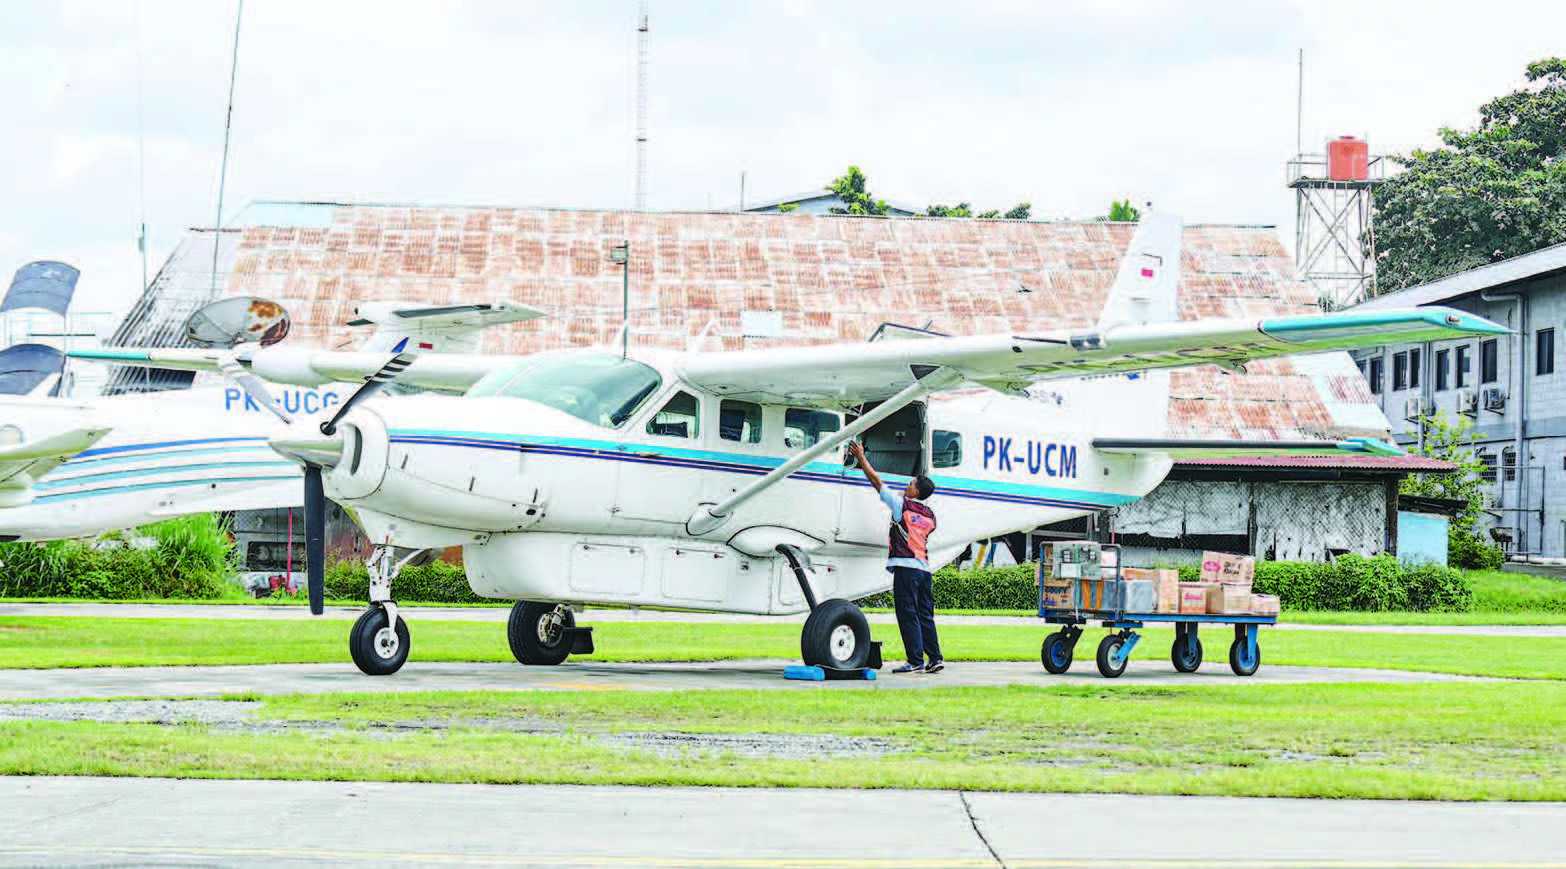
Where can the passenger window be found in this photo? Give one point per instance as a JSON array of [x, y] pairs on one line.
[[679, 418], [803, 428], [739, 421], [945, 449]]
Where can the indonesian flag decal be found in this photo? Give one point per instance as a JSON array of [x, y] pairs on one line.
[[1150, 265], [425, 345]]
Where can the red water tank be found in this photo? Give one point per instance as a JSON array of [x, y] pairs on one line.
[[1348, 159]]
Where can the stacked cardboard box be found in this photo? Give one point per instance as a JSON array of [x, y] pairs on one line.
[[1229, 578], [1166, 586], [1193, 597]]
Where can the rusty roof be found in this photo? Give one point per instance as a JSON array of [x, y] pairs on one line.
[[1384, 464], [693, 276]]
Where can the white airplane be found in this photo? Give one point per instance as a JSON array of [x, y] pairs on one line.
[[80, 468], [714, 481]]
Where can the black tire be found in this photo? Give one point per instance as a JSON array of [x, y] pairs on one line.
[[1186, 653], [836, 635], [1237, 664], [534, 642], [1107, 647], [376, 651], [1057, 651]]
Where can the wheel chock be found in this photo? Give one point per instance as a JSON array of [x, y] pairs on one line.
[[812, 673], [581, 640]]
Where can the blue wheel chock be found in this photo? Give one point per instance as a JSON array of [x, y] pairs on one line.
[[811, 673]]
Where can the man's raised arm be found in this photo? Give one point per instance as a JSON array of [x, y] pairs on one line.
[[858, 451]]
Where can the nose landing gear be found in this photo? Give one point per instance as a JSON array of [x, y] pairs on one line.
[[379, 641]]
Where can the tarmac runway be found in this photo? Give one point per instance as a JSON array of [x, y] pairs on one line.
[[589, 676], [98, 821], [499, 614]]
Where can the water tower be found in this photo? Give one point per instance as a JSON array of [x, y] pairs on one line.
[[1334, 242]]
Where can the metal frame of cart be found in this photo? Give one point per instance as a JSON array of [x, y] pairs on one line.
[[1114, 651]]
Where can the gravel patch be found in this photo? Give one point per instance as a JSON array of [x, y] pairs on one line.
[[790, 746], [232, 713]]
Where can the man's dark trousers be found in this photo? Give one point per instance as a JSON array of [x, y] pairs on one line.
[[914, 595]]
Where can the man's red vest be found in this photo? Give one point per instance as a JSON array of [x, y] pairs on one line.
[[910, 534]]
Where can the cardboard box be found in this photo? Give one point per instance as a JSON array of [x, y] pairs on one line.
[[1057, 595], [1234, 600], [1166, 584], [1222, 567], [1141, 596], [1193, 597], [1264, 604]]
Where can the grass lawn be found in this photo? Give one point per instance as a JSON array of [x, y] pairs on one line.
[[1455, 741], [69, 641]]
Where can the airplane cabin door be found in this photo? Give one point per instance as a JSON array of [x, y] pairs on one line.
[[655, 482], [897, 447]]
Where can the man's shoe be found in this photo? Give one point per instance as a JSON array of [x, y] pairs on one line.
[[935, 666], [909, 668]]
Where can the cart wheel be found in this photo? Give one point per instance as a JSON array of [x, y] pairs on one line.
[[1186, 653], [1108, 648], [1056, 653], [1241, 663]]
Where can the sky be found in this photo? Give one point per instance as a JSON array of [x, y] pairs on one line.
[[115, 110]]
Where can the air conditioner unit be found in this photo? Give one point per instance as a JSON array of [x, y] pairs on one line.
[[1467, 402], [1494, 398], [1413, 408]]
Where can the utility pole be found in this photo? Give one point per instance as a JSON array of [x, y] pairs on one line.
[[641, 108], [621, 253], [228, 124]]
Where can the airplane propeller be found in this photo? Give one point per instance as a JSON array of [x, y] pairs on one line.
[[316, 453]]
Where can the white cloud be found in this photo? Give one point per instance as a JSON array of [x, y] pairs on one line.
[[1066, 104]]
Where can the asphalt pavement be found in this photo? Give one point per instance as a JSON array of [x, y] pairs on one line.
[[122, 821]]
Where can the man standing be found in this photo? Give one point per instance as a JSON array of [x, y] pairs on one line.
[[908, 558]]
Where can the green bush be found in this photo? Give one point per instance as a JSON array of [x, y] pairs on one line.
[[1470, 551], [436, 582], [189, 557], [982, 588]]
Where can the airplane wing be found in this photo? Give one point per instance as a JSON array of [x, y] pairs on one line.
[[850, 374], [25, 461], [1199, 449], [474, 316], [307, 367]]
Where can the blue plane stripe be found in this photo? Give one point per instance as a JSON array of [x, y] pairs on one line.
[[52, 482], [739, 463], [168, 484], [123, 448], [154, 456]]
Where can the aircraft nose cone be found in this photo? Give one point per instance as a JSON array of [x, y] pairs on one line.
[[309, 446]]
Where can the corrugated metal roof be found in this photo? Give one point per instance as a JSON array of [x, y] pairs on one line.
[[831, 278], [1541, 262], [1398, 464]]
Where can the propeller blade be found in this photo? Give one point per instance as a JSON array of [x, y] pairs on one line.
[[252, 385], [315, 537], [393, 368]]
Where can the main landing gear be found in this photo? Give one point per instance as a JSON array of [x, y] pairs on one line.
[[546, 633], [836, 635], [379, 640]]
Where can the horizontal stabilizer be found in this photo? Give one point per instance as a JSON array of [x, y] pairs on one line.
[[1198, 449], [64, 444]]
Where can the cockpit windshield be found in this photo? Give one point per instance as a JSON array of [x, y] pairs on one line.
[[596, 387]]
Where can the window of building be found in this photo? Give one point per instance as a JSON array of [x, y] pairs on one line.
[[1489, 361], [1399, 371], [1544, 351], [945, 449], [1488, 473], [1443, 357], [1414, 358], [1376, 366], [679, 418], [739, 421], [803, 428], [1360, 364], [1465, 365], [1509, 464]]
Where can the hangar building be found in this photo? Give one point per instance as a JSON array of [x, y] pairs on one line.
[[738, 280]]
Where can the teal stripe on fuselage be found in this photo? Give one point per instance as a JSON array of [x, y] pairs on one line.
[[168, 484], [1107, 499], [155, 455], [50, 482]]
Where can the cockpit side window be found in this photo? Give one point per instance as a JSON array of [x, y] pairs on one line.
[[739, 421], [680, 417], [598, 388]]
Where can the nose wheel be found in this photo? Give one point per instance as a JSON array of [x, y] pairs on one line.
[[378, 646]]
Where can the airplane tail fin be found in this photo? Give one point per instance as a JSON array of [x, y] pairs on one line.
[[438, 328], [1145, 289]]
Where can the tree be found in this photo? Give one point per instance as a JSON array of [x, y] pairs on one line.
[[1492, 192], [788, 207], [1122, 210], [856, 198], [1454, 443]]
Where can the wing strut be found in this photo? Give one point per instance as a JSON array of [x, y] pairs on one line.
[[928, 379]]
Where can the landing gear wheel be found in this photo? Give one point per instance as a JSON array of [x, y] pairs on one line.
[[537, 632], [377, 649], [1057, 651], [1108, 649], [1186, 653], [1240, 662], [836, 635]]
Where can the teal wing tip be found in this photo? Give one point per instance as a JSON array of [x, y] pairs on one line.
[[1371, 447], [109, 355], [1463, 321]]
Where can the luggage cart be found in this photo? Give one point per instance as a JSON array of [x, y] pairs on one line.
[[1114, 651]]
